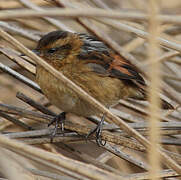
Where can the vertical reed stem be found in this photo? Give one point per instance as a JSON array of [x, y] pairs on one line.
[[153, 54]]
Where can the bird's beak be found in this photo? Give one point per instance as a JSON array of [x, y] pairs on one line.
[[37, 52]]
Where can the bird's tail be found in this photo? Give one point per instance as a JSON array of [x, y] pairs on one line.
[[143, 95]]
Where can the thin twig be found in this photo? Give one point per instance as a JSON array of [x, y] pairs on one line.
[[25, 113], [142, 176], [35, 104], [17, 59], [117, 151], [20, 77], [15, 121], [19, 31]]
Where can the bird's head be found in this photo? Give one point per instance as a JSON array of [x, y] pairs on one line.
[[58, 46], [63, 46]]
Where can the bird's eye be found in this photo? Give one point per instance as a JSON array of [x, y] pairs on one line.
[[52, 50]]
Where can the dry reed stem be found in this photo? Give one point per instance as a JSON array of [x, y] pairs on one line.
[[15, 121], [14, 4], [69, 12], [89, 25], [17, 59], [18, 30], [144, 176], [167, 56], [133, 44], [20, 77], [154, 89], [59, 162], [88, 12], [84, 95], [170, 118], [94, 161], [75, 166], [171, 127], [138, 32], [49, 174], [26, 65], [80, 129], [95, 30], [10, 167], [118, 152], [52, 21]]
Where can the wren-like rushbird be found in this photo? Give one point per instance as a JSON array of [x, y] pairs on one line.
[[93, 66]]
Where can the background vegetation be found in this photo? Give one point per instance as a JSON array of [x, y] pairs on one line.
[[25, 112]]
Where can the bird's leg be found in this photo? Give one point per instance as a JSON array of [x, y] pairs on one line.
[[59, 119], [98, 131]]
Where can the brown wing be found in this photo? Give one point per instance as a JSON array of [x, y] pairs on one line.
[[122, 69], [104, 61], [114, 66]]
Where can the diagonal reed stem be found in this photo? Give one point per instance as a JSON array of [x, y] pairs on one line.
[[87, 97]]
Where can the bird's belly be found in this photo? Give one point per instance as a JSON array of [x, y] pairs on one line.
[[104, 89], [62, 96]]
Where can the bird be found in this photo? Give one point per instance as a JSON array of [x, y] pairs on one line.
[[90, 64]]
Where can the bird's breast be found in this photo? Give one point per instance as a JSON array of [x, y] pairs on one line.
[[106, 90], [60, 95]]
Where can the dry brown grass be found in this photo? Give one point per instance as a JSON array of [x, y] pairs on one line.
[[24, 117]]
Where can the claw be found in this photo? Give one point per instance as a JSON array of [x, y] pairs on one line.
[[59, 119], [98, 131]]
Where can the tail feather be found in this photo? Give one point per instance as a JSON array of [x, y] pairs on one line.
[[142, 94]]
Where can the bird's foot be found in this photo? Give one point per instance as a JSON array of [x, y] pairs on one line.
[[59, 119], [98, 130]]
